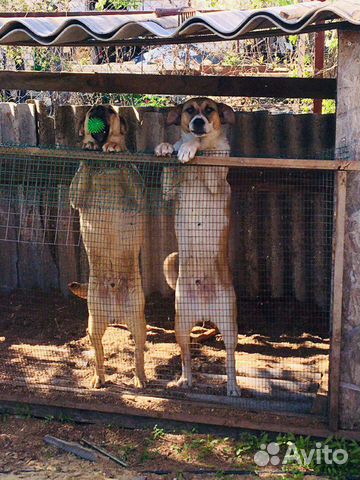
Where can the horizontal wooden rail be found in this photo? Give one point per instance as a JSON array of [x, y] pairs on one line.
[[246, 162], [279, 87]]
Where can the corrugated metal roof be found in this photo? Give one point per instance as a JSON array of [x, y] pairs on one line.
[[228, 24]]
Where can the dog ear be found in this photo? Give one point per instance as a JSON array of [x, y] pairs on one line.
[[123, 125], [226, 113], [174, 116]]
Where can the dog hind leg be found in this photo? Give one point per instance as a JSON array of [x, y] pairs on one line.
[[137, 325], [230, 337], [96, 328], [182, 333], [139, 335]]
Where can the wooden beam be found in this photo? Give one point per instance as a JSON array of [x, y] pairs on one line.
[[337, 293], [347, 137], [179, 410], [174, 413], [279, 87], [78, 155]]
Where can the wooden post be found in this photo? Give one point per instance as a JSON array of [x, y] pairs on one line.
[[337, 295], [348, 134]]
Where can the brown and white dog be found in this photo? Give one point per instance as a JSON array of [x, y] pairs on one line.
[[112, 233], [200, 273]]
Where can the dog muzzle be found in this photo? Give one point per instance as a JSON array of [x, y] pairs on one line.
[[198, 126]]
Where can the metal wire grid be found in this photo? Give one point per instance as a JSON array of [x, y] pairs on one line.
[[280, 256]]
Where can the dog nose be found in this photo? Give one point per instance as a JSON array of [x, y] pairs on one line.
[[198, 123]]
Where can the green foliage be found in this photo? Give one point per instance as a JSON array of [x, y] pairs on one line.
[[23, 411], [331, 40], [158, 432], [49, 418], [63, 418], [293, 39], [118, 4], [329, 106], [45, 59], [351, 469], [34, 5], [4, 417], [270, 3], [251, 443], [151, 101]]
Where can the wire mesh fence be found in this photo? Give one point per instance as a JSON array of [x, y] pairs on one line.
[[252, 279]]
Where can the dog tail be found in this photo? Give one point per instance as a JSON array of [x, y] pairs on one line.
[[79, 289], [171, 269]]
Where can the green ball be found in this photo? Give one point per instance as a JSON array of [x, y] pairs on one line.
[[95, 125]]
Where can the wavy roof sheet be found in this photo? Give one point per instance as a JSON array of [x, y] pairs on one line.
[[230, 24]]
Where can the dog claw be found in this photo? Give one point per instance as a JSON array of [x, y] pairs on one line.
[[233, 391], [183, 382], [97, 381], [139, 383], [164, 150], [89, 146], [112, 147]]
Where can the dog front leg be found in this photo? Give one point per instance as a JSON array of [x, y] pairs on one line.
[[187, 150]]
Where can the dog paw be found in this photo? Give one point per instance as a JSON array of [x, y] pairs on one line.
[[97, 381], [187, 152], [89, 146], [139, 382], [233, 391], [164, 150], [183, 382], [112, 147]]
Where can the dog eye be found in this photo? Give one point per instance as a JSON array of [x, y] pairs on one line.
[[190, 110], [208, 110]]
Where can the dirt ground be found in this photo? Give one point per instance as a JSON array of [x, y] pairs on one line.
[[25, 455], [150, 454], [43, 341]]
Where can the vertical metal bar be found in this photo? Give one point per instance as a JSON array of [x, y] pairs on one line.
[[337, 293]]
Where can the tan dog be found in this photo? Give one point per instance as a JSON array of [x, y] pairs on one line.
[[110, 202], [199, 273]]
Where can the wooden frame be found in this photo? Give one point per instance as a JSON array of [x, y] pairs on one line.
[[274, 87], [340, 168], [234, 86]]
